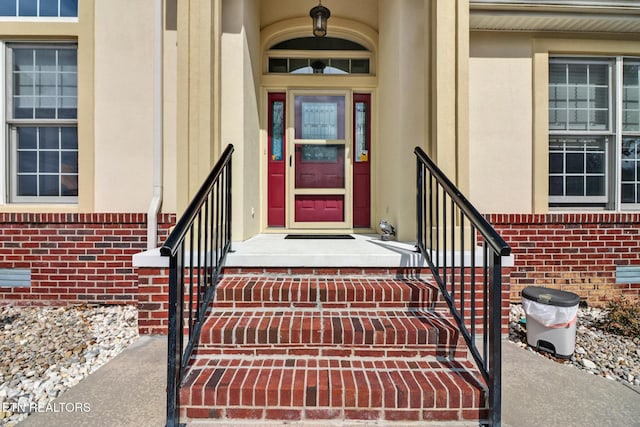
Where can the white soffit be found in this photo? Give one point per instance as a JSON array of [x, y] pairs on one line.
[[557, 16]]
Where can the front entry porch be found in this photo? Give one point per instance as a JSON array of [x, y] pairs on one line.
[[359, 251]]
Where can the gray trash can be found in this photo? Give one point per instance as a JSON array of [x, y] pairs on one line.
[[551, 319]]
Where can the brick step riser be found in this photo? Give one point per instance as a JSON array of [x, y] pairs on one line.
[[382, 328], [376, 386], [409, 352], [240, 290], [319, 336]]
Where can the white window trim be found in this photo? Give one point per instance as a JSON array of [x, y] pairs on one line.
[[9, 154], [40, 19]]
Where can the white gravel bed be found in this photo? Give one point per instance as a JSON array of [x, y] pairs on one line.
[[600, 353], [46, 350]]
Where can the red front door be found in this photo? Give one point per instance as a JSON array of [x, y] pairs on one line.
[[315, 171]]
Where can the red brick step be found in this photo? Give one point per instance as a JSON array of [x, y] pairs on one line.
[[273, 291], [278, 347], [333, 388], [316, 332]]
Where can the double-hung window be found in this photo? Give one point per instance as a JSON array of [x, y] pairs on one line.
[[42, 100], [39, 8], [594, 133]]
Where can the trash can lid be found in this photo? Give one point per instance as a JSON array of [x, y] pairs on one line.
[[551, 296]]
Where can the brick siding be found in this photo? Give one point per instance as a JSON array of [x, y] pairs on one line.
[[75, 258], [572, 252]]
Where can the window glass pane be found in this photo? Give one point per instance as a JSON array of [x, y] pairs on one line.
[[49, 185], [595, 163], [23, 84], [68, 7], [598, 74], [69, 138], [577, 73], [575, 163], [340, 64], [595, 186], [49, 161], [28, 8], [69, 185], [27, 138], [277, 130], [27, 162], [630, 170], [360, 66], [631, 98], [575, 186], [628, 193], [297, 64], [556, 186], [557, 73], [319, 117], [278, 65], [23, 60], [49, 139], [8, 8], [27, 185], [46, 60], [48, 8], [556, 163], [46, 84], [361, 143], [630, 74], [69, 162]]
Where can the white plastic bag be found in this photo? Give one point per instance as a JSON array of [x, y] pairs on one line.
[[550, 316]]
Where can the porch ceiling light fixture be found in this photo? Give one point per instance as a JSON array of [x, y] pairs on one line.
[[319, 16]]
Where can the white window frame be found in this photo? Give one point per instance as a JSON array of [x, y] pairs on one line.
[[10, 128]]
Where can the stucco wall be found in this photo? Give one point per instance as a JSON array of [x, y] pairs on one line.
[[123, 105], [500, 123], [240, 123], [401, 112]]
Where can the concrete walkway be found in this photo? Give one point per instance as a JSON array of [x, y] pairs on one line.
[[130, 391]]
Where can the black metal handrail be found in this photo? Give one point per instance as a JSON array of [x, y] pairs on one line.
[[484, 304], [197, 248]]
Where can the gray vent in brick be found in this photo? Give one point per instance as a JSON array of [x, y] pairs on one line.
[[628, 274], [15, 277]]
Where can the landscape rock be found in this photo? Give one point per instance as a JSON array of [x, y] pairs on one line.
[[46, 350]]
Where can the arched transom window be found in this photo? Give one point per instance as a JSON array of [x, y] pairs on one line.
[[324, 55]]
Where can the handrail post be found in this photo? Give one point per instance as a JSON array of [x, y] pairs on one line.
[[173, 350], [495, 339]]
